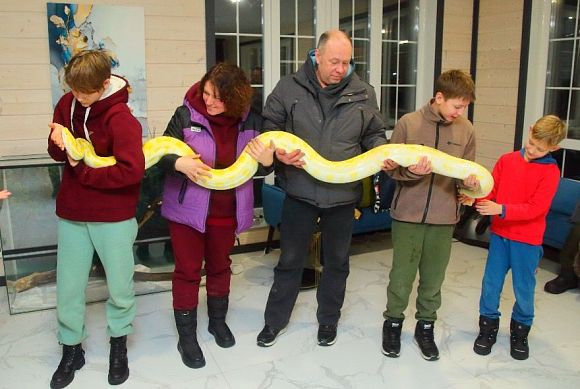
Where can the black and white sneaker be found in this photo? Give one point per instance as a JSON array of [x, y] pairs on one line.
[[392, 337], [268, 335], [326, 334], [424, 338]]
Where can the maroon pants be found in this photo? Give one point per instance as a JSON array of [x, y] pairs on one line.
[[190, 248]]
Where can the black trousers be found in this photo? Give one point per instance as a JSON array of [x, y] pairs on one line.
[[299, 221], [569, 250]]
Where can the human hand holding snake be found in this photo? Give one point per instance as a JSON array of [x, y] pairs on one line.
[[193, 167]]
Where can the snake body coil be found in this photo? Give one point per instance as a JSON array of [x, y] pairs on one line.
[[336, 172]]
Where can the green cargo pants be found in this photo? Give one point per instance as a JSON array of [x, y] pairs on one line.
[[423, 247]]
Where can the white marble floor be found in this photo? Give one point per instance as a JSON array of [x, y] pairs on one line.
[[29, 352]]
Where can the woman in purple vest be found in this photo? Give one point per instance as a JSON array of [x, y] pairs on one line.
[[215, 120]]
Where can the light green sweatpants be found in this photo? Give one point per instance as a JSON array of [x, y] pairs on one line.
[[77, 242]]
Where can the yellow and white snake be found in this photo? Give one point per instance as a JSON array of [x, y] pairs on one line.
[[336, 172]]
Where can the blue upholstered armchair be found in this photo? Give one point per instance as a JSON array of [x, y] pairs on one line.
[[558, 220], [273, 197]]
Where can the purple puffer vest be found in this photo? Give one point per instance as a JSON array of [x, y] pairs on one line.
[[194, 207]]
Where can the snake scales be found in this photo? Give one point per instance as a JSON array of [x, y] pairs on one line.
[[336, 172]]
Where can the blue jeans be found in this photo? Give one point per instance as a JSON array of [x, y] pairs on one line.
[[522, 259]]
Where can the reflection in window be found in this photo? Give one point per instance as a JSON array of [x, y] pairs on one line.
[[563, 77], [355, 21], [297, 24], [399, 58], [239, 40]]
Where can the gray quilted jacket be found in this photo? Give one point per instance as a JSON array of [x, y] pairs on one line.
[[353, 125]]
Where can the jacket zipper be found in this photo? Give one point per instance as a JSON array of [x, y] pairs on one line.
[[185, 183], [431, 180]]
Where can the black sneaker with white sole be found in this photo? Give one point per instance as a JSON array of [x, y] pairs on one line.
[[392, 337], [326, 334], [425, 339], [268, 335]]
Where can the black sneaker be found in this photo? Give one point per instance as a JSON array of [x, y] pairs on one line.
[[425, 340], [326, 334], [392, 337], [268, 335]]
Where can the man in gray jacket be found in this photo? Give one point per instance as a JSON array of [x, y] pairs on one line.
[[328, 106]]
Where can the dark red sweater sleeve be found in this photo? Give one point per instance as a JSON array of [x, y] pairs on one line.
[[53, 150]]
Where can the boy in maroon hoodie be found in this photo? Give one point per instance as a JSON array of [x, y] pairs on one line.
[[96, 209]]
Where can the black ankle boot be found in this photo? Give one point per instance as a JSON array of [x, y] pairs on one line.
[[186, 323], [566, 280], [217, 308], [392, 337], [73, 358], [425, 339], [519, 348], [487, 335], [118, 361]]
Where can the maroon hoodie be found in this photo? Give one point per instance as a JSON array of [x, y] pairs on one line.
[[107, 194]]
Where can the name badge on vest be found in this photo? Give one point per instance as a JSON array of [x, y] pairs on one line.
[[195, 129]]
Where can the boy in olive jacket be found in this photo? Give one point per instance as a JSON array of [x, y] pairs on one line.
[[425, 209]]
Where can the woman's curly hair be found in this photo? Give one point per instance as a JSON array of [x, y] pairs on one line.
[[232, 87]]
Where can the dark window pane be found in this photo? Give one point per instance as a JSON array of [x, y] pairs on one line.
[[226, 49], [345, 15], [258, 100], [389, 70], [361, 58], [563, 18], [256, 76], [287, 49], [304, 46], [225, 16], [406, 102], [556, 103], [574, 117], [389, 105], [361, 19], [306, 17], [286, 69], [572, 164], [250, 53], [559, 63], [409, 28], [287, 17], [250, 16], [390, 19], [407, 63], [570, 159], [361, 27], [576, 81]]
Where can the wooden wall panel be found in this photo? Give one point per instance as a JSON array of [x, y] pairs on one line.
[[174, 56], [498, 62], [457, 25]]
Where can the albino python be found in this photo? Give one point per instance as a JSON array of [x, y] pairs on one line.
[[335, 172]]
